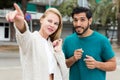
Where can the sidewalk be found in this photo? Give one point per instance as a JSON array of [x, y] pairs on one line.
[[12, 69], [7, 43], [8, 46], [13, 46]]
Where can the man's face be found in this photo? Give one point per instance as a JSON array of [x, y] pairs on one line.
[[81, 23]]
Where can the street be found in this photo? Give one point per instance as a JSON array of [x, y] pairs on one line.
[[10, 68]]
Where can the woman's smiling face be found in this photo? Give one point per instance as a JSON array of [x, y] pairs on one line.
[[50, 23]]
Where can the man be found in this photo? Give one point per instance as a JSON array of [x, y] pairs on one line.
[[88, 53]]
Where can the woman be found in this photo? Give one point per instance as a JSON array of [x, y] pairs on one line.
[[40, 51]]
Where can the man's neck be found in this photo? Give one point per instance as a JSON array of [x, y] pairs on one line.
[[87, 33]]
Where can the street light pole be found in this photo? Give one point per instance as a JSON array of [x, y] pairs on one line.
[[49, 3]]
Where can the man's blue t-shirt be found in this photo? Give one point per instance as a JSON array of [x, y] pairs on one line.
[[95, 45]]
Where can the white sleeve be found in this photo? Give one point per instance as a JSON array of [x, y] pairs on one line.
[[23, 39], [62, 64]]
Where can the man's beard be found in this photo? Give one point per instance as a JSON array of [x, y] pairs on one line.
[[84, 29]]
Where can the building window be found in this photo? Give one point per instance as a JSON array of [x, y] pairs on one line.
[[41, 9], [6, 32], [6, 24], [1, 24]]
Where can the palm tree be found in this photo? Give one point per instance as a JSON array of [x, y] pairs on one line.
[[7, 3], [118, 19], [66, 7], [106, 12]]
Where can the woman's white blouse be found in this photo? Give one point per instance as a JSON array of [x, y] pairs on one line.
[[51, 58], [36, 57]]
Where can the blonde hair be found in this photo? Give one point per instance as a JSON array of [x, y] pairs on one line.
[[57, 33]]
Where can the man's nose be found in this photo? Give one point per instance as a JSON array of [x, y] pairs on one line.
[[79, 23]]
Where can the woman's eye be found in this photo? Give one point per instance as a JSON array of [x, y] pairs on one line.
[[50, 21], [56, 24]]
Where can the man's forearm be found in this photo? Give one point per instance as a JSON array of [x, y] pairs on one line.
[[70, 61], [110, 65]]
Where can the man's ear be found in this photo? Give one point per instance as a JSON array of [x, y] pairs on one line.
[[90, 21]]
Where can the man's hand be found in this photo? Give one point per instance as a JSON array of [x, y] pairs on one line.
[[78, 54], [90, 62]]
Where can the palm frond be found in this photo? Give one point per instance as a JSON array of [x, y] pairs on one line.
[[104, 11]]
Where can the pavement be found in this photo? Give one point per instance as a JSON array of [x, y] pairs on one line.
[[114, 75], [10, 67]]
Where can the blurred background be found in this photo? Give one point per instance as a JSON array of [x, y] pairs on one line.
[[106, 20]]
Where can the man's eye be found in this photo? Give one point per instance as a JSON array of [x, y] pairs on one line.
[[75, 20], [82, 19]]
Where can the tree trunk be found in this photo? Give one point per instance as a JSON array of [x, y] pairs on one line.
[[24, 6], [12, 35], [118, 30]]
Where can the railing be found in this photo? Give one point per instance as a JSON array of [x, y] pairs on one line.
[[34, 15], [48, 2], [3, 12]]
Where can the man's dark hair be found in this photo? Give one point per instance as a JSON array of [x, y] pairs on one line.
[[78, 10]]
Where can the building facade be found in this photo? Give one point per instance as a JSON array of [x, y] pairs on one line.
[[4, 26], [34, 10]]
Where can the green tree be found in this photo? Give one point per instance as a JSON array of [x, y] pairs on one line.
[[106, 11], [66, 7], [7, 3], [118, 19]]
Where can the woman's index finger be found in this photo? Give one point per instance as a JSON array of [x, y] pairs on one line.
[[17, 8]]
